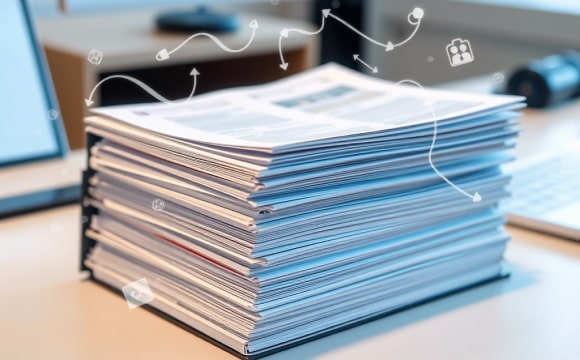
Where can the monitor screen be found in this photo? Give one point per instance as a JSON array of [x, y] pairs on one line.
[[30, 123]]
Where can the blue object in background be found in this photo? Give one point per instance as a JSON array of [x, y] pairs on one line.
[[547, 81]]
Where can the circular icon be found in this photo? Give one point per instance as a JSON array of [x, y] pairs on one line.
[[158, 205], [430, 59], [418, 13], [95, 57], [335, 4], [498, 77], [53, 114], [137, 294]]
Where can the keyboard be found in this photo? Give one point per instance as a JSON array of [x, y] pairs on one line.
[[546, 193]]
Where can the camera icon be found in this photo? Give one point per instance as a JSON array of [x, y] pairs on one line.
[[459, 52], [138, 293], [95, 57]]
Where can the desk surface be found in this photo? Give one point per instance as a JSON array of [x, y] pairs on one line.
[[47, 312]]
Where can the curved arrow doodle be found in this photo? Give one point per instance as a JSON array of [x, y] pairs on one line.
[[164, 54], [284, 34], [145, 87], [476, 197], [414, 18], [418, 14]]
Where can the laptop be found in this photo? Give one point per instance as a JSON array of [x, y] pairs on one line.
[[546, 193], [36, 171]]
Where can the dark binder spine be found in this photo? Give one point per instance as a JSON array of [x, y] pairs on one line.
[[88, 211]]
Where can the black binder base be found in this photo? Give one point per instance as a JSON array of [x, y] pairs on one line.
[[306, 339]]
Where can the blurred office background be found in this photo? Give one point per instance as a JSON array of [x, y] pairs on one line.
[[503, 33]]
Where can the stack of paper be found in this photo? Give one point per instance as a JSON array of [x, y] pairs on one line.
[[268, 215]]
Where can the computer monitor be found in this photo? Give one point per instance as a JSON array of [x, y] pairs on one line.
[[30, 123], [31, 128]]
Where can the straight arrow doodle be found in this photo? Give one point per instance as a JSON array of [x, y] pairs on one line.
[[356, 57], [145, 87]]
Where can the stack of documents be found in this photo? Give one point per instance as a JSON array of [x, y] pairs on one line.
[[266, 216]]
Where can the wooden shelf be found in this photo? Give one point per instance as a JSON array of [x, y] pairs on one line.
[[129, 43]]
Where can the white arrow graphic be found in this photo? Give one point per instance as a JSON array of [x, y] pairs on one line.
[[418, 14], [358, 31], [284, 34], [476, 197], [356, 57], [164, 54], [145, 87]]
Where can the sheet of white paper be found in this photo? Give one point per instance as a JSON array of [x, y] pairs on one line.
[[247, 118]]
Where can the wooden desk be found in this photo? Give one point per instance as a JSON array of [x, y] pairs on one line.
[[46, 312]]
